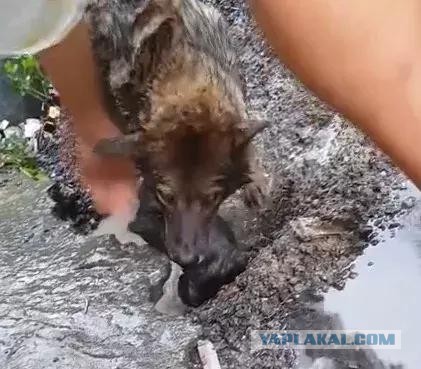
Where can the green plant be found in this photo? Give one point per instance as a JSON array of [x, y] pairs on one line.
[[26, 77], [14, 152]]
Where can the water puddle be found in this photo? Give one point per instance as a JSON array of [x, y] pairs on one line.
[[386, 295]]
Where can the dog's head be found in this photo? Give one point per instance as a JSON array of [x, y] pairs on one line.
[[194, 158], [221, 264]]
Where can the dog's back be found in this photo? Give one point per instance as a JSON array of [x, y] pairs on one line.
[[139, 42]]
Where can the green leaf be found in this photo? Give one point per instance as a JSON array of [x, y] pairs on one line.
[[26, 77], [33, 173], [14, 153]]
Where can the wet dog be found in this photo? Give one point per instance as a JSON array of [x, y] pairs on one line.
[[172, 84], [191, 285], [196, 282]]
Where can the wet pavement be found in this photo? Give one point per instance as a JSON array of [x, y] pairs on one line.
[[386, 295], [68, 301], [383, 296]]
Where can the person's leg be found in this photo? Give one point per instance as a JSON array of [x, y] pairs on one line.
[[363, 57]]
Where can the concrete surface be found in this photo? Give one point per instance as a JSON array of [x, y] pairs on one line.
[[69, 301]]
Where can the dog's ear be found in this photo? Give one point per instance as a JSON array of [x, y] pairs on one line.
[[124, 146], [250, 130]]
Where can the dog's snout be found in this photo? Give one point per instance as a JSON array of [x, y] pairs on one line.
[[184, 257], [188, 235]]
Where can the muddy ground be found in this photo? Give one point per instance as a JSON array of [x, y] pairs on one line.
[[333, 194]]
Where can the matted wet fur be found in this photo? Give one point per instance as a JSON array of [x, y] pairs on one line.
[[172, 84]]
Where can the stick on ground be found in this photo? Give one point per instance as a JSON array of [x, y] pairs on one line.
[[208, 355]]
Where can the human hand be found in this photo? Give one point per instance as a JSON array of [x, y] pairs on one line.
[[110, 181]]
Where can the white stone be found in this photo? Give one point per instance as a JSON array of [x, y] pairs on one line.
[[208, 355], [4, 124], [54, 112], [31, 127], [13, 132], [170, 303]]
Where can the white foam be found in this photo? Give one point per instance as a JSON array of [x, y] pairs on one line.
[[118, 224]]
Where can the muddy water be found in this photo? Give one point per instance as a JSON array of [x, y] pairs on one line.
[[386, 295]]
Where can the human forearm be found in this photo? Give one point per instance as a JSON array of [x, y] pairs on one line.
[[71, 67], [355, 57]]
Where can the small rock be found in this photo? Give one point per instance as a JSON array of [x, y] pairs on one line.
[[4, 124], [13, 132], [394, 225], [391, 211], [294, 280], [54, 112], [408, 203], [315, 202], [31, 127], [378, 222], [373, 236], [374, 242], [339, 285], [370, 263], [299, 287], [353, 275]]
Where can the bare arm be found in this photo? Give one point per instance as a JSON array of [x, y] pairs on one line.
[[363, 57], [71, 68]]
